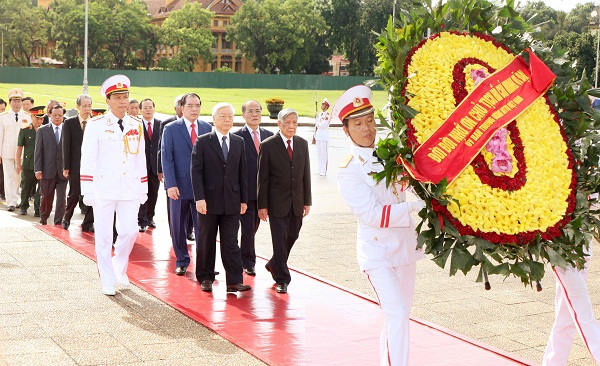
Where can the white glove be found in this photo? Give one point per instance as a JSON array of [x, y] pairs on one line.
[[143, 198], [89, 199], [416, 206]]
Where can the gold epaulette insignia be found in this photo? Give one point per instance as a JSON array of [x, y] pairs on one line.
[[95, 118], [3, 113], [136, 119], [362, 160], [346, 161]]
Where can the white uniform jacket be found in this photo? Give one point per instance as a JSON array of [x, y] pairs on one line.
[[9, 132], [386, 234], [113, 162], [322, 124]]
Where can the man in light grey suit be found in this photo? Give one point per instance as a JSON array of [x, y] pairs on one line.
[[48, 161]]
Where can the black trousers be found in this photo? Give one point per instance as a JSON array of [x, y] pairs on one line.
[[73, 200], [228, 226], [147, 210], [28, 182], [284, 233], [250, 223], [48, 187]]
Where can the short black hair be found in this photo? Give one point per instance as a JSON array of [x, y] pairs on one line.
[[2, 101], [58, 106], [28, 98], [145, 100], [189, 95]]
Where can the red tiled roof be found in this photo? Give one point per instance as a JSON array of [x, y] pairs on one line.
[[162, 8]]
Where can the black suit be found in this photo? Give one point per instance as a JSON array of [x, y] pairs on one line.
[[146, 212], [250, 220], [222, 183], [190, 224], [71, 150], [283, 189], [48, 159]]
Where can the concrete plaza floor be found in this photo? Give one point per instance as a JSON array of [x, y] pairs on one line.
[[52, 311]]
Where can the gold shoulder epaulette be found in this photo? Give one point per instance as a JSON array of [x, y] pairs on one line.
[[135, 118], [96, 118], [346, 161], [3, 113]]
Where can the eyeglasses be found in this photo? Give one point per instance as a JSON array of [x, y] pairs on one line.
[[192, 106], [253, 111]]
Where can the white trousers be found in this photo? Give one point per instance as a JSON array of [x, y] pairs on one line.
[[12, 182], [574, 314], [322, 156], [394, 287], [111, 267]]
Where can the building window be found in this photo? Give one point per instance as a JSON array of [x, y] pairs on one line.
[[225, 45], [216, 23], [225, 23]]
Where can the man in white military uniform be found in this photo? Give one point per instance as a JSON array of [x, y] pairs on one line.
[[114, 179], [10, 124], [574, 314], [322, 137], [386, 238]]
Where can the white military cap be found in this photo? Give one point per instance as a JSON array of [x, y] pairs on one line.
[[115, 84], [355, 102], [15, 93]]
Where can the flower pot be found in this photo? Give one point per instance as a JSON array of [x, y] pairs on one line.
[[274, 109]]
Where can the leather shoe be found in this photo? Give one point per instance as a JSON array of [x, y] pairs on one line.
[[43, 222], [109, 291], [36, 214], [152, 224], [190, 237], [250, 271], [281, 288], [206, 286], [65, 225], [123, 281], [23, 212], [238, 287], [87, 229], [11, 208], [142, 228], [268, 268], [180, 271]]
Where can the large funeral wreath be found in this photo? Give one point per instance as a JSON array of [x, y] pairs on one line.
[[525, 198]]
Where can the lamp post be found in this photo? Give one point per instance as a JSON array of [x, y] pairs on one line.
[[85, 52], [595, 17]]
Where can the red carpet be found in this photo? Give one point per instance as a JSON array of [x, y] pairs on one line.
[[316, 323]]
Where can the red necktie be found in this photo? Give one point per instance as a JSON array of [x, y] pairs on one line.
[[289, 148], [256, 142], [150, 130], [193, 135]]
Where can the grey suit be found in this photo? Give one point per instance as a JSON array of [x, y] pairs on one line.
[[48, 160]]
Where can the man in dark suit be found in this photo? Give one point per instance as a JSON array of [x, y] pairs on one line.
[[178, 114], [151, 125], [284, 194], [48, 163], [72, 138], [220, 190], [252, 135], [176, 153]]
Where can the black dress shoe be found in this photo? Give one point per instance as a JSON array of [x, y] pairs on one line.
[[43, 222], [152, 224], [36, 214], [11, 208], [65, 225], [206, 286], [250, 271], [23, 212], [217, 273], [87, 229], [281, 288], [238, 287], [268, 268], [142, 228], [180, 271], [190, 237]]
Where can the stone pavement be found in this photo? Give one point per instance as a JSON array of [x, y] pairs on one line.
[[52, 311]]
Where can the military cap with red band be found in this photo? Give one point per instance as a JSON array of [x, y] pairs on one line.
[[98, 112], [355, 102], [37, 111], [114, 85]]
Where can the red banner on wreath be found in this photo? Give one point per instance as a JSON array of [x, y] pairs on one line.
[[493, 104]]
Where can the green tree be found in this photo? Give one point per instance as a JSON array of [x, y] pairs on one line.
[[188, 29], [281, 36], [581, 49], [543, 18], [578, 19], [343, 18], [68, 30], [25, 28], [148, 42]]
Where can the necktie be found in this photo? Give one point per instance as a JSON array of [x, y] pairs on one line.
[[120, 122], [57, 135], [224, 147], [16, 117], [289, 148], [256, 142], [193, 135], [83, 128], [150, 130]]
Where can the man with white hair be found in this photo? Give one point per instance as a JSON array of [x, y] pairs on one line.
[[221, 194]]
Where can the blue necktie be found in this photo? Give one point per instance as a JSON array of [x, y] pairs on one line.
[[224, 147], [57, 135]]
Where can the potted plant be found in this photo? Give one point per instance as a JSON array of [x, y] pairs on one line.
[[274, 105]]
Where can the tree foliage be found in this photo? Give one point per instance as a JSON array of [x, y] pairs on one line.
[[546, 21], [581, 50], [285, 36], [189, 30]]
